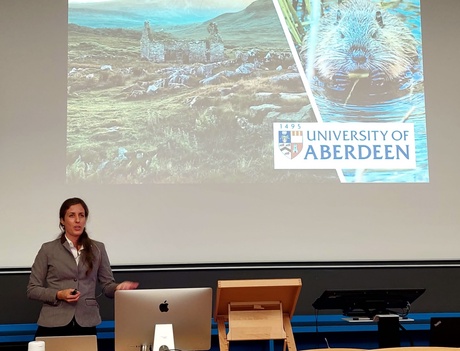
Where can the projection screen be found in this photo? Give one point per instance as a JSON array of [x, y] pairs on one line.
[[211, 132]]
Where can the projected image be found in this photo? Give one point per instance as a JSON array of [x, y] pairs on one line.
[[363, 62], [180, 92]]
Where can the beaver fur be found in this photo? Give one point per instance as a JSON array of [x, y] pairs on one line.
[[358, 39]]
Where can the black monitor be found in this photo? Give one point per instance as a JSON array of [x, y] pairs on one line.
[[368, 302], [444, 331]]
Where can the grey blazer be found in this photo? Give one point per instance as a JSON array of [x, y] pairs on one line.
[[55, 269]]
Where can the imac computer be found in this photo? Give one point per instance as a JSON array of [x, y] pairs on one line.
[[181, 316]]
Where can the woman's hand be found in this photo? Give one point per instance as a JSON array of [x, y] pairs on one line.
[[127, 285], [68, 295]]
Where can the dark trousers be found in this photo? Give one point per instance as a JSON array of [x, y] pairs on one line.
[[70, 329]]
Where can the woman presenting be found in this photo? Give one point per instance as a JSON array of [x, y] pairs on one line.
[[65, 274]]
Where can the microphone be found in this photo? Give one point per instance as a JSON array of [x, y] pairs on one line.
[[163, 348]]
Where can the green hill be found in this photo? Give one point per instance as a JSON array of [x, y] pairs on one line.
[[257, 25]]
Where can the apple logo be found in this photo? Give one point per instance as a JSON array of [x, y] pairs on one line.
[[164, 306]]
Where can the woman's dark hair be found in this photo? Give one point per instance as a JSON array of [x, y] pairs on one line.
[[84, 239]]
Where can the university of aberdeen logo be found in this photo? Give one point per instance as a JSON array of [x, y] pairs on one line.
[[290, 142]]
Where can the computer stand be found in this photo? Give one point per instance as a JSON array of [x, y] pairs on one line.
[[258, 309], [256, 321]]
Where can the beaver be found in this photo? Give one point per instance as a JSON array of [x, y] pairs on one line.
[[357, 40]]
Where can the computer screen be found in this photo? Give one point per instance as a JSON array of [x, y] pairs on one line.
[[188, 310], [444, 331], [69, 342]]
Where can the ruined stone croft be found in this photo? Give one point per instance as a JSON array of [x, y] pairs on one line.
[[196, 51]]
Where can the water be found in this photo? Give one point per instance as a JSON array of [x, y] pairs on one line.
[[389, 111]]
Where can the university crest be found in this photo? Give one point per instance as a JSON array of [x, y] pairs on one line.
[[290, 142]]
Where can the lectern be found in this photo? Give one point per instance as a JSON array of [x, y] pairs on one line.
[[373, 305], [257, 309]]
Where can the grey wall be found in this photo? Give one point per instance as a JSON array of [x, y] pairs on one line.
[[441, 284]]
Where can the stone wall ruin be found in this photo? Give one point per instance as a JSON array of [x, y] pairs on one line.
[[196, 51]]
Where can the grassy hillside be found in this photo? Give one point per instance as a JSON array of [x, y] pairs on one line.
[[257, 25]]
